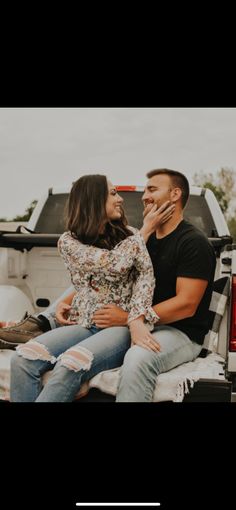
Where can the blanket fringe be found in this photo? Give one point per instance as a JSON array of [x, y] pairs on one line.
[[183, 388]]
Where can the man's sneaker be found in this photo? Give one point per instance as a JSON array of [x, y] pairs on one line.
[[21, 332]]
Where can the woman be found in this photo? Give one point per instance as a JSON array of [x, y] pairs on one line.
[[108, 263]]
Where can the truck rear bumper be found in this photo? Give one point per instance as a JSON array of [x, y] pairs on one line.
[[210, 390], [204, 390], [232, 362]]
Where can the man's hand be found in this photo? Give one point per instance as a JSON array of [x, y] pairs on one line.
[[110, 315], [62, 312], [140, 335]]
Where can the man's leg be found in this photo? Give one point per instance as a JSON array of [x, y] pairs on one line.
[[32, 326], [141, 367]]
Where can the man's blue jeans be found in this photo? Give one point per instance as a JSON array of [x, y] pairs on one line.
[[74, 353], [141, 366]]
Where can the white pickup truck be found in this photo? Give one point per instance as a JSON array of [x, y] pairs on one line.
[[32, 275]]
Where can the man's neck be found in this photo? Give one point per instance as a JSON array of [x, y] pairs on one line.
[[169, 226]]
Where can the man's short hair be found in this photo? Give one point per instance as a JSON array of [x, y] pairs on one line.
[[178, 181]]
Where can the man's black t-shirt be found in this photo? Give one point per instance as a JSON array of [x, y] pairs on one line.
[[185, 252]]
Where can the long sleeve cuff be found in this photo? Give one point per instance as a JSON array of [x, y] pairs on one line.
[[150, 316]]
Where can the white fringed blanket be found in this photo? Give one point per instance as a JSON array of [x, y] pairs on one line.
[[171, 386]]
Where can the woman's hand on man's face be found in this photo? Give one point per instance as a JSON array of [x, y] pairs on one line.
[[155, 216]]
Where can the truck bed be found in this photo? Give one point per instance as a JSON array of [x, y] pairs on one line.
[[202, 380]]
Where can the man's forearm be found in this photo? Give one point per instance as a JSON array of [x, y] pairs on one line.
[[173, 310]]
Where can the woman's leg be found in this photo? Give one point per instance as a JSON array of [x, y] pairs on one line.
[[37, 356], [101, 351], [141, 367]]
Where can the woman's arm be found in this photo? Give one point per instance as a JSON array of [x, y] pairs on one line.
[[143, 288], [90, 258], [63, 309]]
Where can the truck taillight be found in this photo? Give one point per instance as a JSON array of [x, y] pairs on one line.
[[126, 188], [232, 340]]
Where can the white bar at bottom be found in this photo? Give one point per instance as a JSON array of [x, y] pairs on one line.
[[118, 504]]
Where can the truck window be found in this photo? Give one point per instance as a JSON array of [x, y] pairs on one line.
[[196, 212], [52, 217]]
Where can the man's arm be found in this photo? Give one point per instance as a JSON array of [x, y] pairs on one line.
[[189, 292], [109, 316]]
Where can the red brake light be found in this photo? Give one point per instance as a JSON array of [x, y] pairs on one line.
[[232, 340], [126, 188]]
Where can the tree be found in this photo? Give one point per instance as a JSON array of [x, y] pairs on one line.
[[223, 185], [232, 227], [28, 212]]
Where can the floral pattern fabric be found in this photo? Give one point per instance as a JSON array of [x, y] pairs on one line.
[[122, 276]]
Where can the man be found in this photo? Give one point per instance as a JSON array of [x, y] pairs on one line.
[[184, 266]]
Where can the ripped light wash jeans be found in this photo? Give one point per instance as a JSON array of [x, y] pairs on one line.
[[74, 353], [141, 366]]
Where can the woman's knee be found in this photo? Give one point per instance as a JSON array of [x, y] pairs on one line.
[[34, 350], [77, 358]]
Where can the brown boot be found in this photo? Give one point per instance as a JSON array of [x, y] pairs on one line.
[[21, 332]]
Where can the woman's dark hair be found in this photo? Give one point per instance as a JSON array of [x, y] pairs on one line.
[[86, 214]]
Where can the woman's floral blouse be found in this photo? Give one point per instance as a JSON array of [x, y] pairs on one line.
[[122, 276]]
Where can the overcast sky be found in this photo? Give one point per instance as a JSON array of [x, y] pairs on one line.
[[52, 147]]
